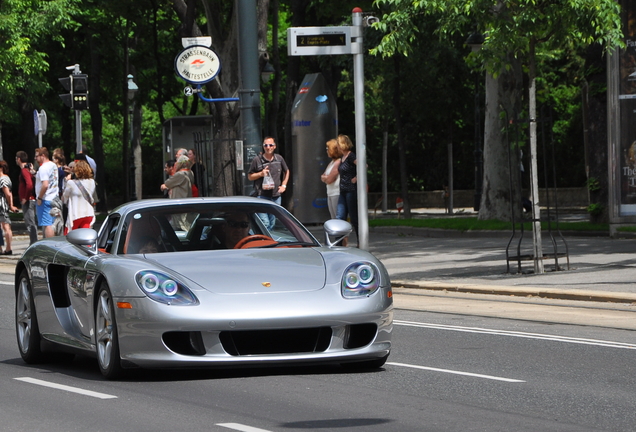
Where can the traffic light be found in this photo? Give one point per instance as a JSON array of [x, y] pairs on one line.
[[67, 98], [77, 87], [80, 91]]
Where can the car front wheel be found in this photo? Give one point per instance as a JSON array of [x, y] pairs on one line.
[[106, 334], [26, 323]]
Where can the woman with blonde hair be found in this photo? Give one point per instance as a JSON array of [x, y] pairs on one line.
[[331, 177], [79, 197]]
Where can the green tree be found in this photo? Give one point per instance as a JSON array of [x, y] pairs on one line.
[[23, 25], [514, 31]]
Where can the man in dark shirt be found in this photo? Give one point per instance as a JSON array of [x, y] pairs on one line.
[[274, 165]]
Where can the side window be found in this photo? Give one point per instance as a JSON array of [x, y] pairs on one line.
[[107, 235]]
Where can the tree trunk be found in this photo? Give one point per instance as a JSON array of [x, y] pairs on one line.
[[96, 125], [501, 187], [595, 123], [534, 176], [404, 178]]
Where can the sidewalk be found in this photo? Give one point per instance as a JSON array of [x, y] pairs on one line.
[[601, 268]]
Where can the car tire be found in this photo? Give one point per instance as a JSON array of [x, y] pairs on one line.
[[368, 364], [106, 339], [26, 322]]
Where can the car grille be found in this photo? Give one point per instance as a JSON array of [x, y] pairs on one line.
[[259, 342], [264, 342]]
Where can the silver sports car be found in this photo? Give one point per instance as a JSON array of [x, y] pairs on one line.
[[203, 282]]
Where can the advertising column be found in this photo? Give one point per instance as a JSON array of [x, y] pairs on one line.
[[314, 122]]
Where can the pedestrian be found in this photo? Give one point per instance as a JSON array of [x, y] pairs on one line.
[[331, 177], [6, 205], [62, 169], [180, 152], [180, 184], [79, 197], [168, 169], [46, 190], [198, 172], [26, 193], [90, 160], [348, 200], [270, 175]]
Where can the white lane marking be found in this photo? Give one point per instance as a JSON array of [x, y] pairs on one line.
[[540, 336], [7, 283], [241, 427], [490, 377], [66, 388]]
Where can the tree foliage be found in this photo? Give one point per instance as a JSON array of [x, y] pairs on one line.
[[111, 38]]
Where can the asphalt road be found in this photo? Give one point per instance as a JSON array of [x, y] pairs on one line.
[[449, 370]]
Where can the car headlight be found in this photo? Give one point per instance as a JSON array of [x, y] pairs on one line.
[[360, 279], [164, 289]]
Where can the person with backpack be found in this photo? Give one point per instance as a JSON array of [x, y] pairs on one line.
[[26, 193]]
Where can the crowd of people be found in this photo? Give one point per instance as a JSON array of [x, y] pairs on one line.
[[53, 195], [59, 198]]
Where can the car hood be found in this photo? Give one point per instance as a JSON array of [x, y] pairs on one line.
[[248, 271]]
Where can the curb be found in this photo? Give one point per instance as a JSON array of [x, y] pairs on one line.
[[449, 233], [581, 295]]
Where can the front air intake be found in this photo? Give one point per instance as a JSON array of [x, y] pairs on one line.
[[264, 342]]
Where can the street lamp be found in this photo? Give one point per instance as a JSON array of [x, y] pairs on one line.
[[132, 90], [475, 41], [267, 72]]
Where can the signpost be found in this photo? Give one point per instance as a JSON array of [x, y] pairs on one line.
[[302, 41], [39, 125], [343, 40], [198, 64]]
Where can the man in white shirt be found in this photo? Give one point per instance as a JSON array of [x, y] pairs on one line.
[[46, 190]]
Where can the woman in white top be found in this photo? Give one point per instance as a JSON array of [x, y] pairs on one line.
[[6, 205], [79, 197], [331, 177]]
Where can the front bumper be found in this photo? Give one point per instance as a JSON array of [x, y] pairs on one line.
[[257, 329]]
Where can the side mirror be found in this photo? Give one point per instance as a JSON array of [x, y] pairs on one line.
[[85, 237], [337, 229]]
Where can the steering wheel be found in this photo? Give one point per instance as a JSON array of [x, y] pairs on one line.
[[252, 241]]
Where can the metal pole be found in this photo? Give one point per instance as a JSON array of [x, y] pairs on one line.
[[131, 158], [78, 117], [385, 152], [250, 90], [78, 131], [451, 187], [357, 46]]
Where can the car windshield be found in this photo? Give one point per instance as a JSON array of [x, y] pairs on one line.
[[211, 226]]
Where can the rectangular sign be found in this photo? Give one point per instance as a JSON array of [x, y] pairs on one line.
[[305, 41]]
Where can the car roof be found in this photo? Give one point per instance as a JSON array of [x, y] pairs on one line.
[[145, 204]]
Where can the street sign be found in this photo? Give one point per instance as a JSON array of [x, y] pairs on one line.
[[200, 40], [43, 122], [197, 64], [39, 122], [304, 41], [36, 122]]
